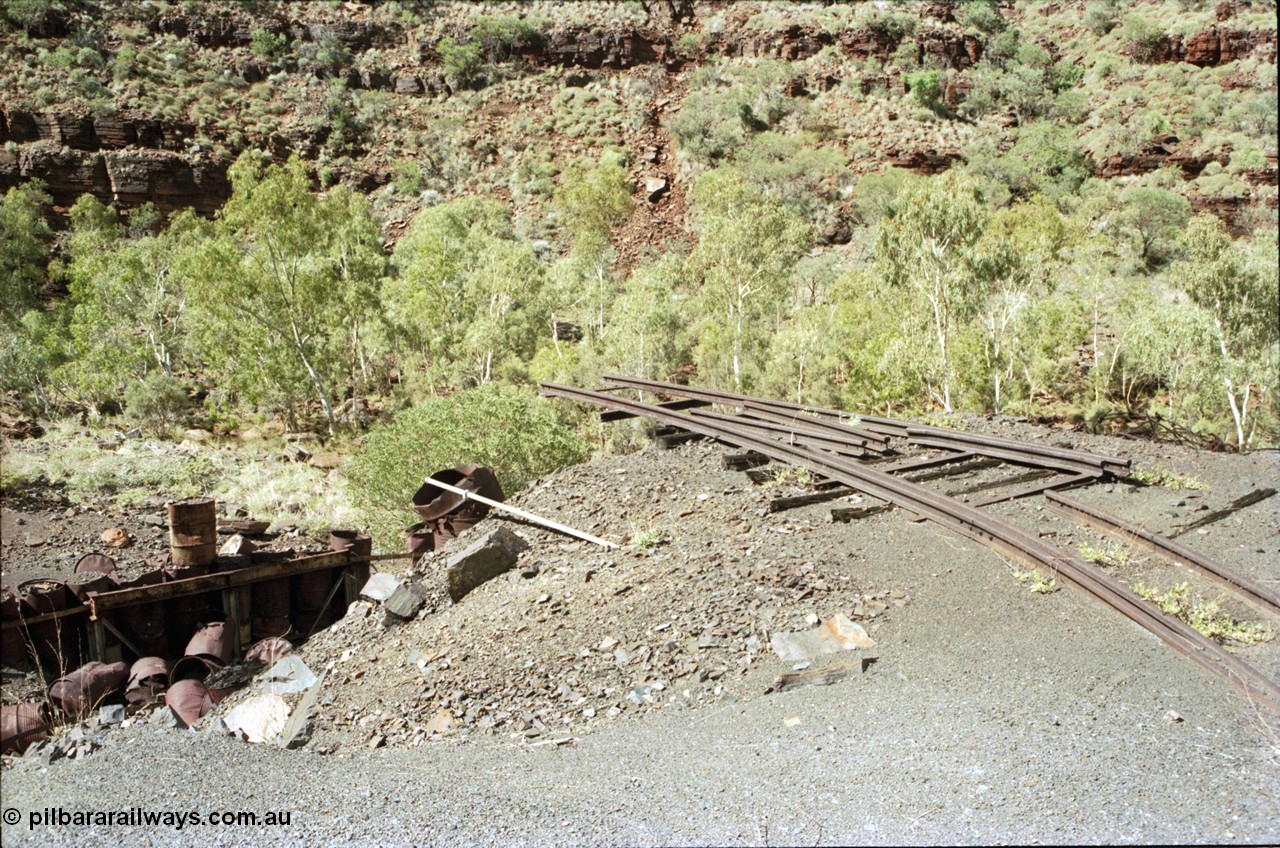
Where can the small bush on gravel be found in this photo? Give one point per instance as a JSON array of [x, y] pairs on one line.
[[1205, 616], [508, 429]]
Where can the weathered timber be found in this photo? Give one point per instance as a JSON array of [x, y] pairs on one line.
[[951, 470], [782, 504], [844, 516], [1256, 496], [820, 676], [744, 461]]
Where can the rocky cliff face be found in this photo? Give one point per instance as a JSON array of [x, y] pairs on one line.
[[125, 156]]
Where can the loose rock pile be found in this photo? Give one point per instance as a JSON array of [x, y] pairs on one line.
[[680, 617]]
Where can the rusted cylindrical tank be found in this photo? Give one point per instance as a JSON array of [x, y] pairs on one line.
[[189, 700], [360, 544], [80, 692], [23, 725], [148, 679], [145, 623], [269, 650], [271, 606], [56, 643], [13, 645], [193, 531]]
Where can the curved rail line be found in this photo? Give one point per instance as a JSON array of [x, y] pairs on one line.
[[1027, 453], [1094, 517], [987, 529]]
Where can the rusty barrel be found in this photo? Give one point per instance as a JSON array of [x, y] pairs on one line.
[[80, 692], [56, 643], [271, 605], [13, 644], [189, 700], [23, 725], [360, 544], [193, 531], [148, 679], [145, 623]]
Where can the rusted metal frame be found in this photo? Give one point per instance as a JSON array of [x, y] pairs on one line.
[[43, 617], [1100, 520], [217, 582], [687, 403], [984, 528], [760, 404], [1039, 488], [124, 640], [886, 426]]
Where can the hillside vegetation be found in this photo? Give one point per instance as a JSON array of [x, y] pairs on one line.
[[329, 211]]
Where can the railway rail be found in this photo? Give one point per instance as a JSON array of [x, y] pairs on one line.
[[746, 430]]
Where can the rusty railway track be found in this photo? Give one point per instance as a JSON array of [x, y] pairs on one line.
[[966, 519]]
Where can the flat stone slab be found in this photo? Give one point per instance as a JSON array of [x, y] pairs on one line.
[[380, 586], [484, 559], [406, 601]]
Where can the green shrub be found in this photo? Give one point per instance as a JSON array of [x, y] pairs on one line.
[[268, 45], [463, 63], [1143, 36], [926, 88], [983, 16], [508, 429], [1100, 18], [157, 400]]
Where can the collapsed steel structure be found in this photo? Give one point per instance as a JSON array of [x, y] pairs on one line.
[[848, 450]]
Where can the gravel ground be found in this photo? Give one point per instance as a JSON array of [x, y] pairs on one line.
[[992, 714]]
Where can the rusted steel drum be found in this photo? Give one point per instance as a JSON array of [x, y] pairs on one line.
[[57, 642], [13, 644], [213, 640], [23, 725], [193, 531], [180, 613], [433, 503], [359, 544], [271, 601], [148, 679], [189, 700], [269, 650], [192, 668], [98, 562], [81, 691], [309, 592], [82, 583], [419, 540], [145, 623]]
